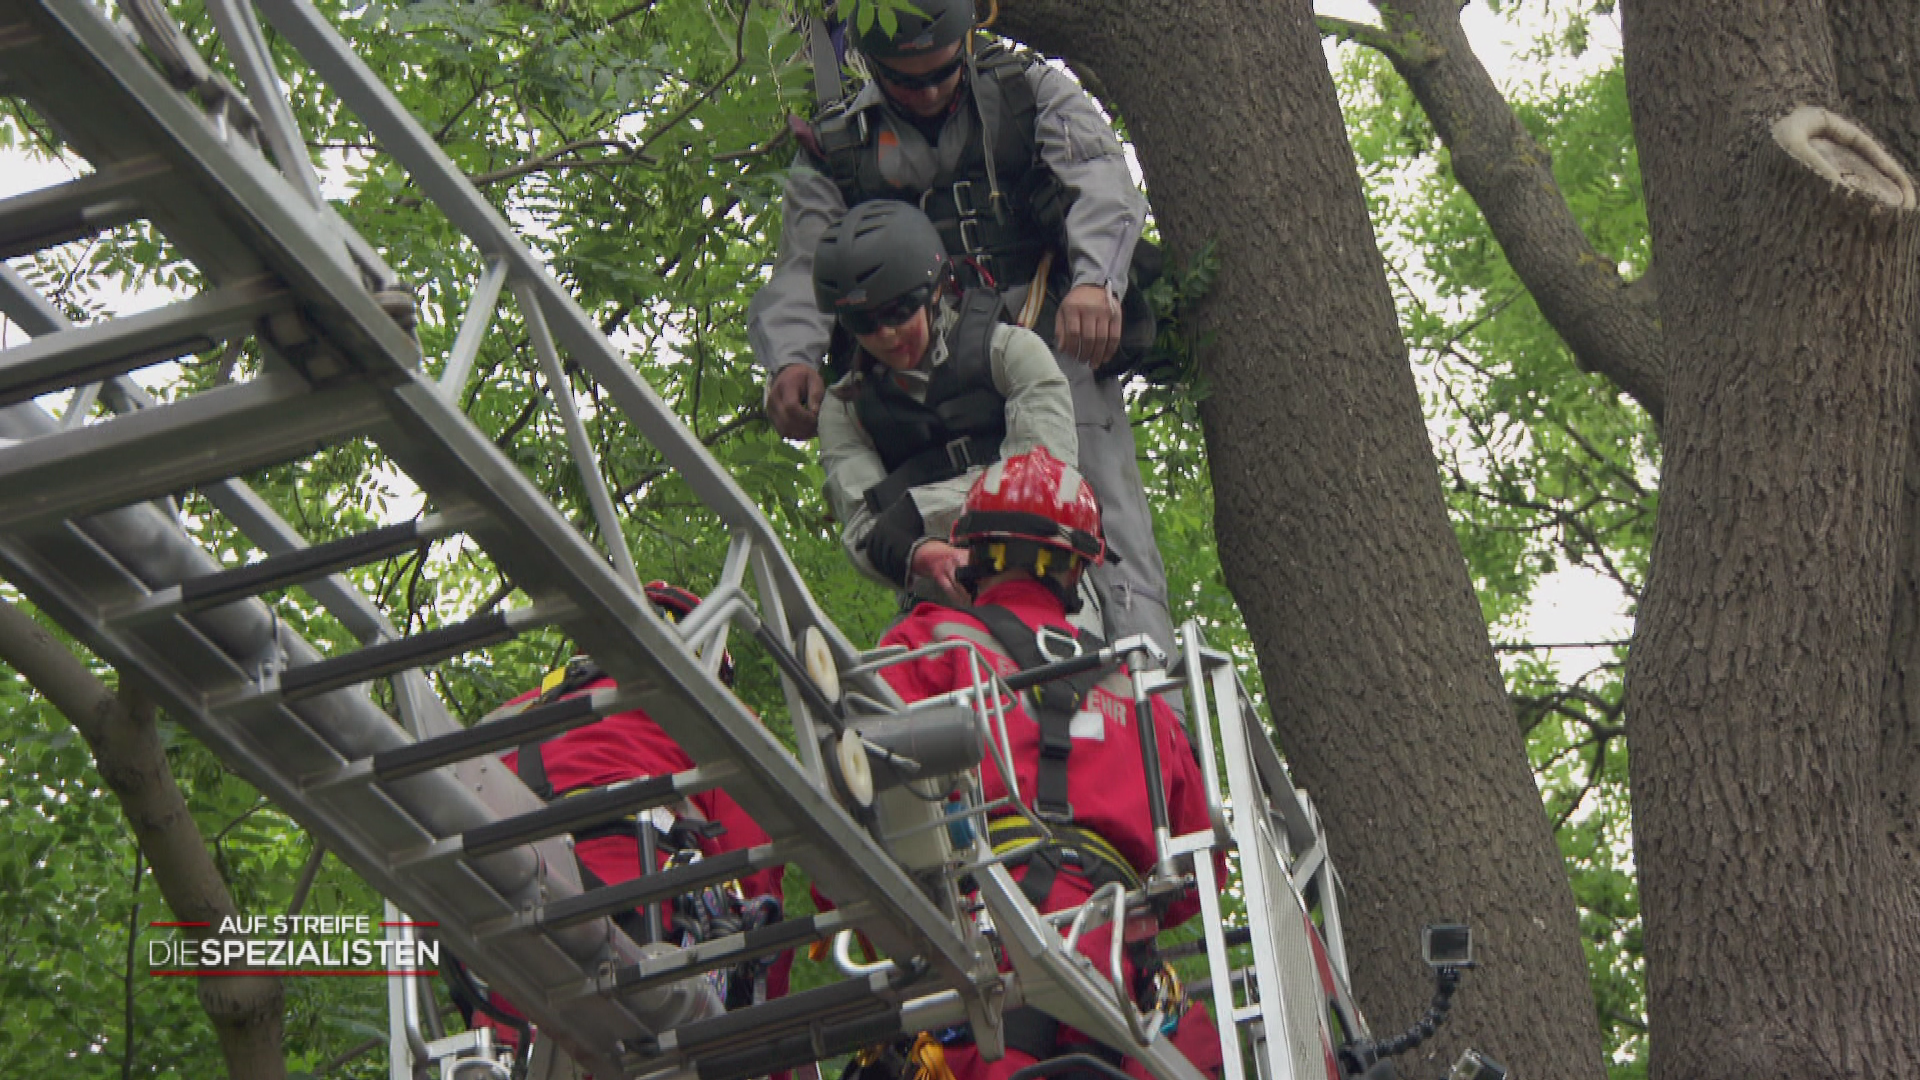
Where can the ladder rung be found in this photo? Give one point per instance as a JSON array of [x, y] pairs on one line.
[[419, 650], [653, 888], [585, 811], [848, 996], [75, 209], [733, 949], [100, 350], [279, 571], [210, 436], [308, 563], [539, 722]]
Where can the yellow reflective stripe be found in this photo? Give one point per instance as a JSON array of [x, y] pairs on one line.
[[553, 678]]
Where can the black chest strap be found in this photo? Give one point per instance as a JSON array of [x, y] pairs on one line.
[[1054, 703]]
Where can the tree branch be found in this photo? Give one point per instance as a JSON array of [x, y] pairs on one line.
[[247, 1013], [1610, 327], [1398, 47]]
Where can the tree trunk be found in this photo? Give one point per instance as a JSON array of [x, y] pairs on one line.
[[1779, 940], [1877, 56], [1332, 527], [248, 1013]]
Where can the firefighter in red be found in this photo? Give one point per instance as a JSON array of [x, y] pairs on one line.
[[1031, 527], [630, 746]]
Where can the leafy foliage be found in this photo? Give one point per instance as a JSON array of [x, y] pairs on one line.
[[639, 144]]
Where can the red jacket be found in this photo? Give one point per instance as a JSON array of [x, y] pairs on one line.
[[630, 746], [1106, 778]]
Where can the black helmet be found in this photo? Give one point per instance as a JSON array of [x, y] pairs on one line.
[[945, 22], [877, 254]]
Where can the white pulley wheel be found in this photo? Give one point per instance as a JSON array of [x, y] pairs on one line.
[[855, 770], [819, 661]]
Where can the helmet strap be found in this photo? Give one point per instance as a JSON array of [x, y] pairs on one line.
[[1049, 566]]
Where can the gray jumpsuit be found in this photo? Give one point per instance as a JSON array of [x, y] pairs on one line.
[[1108, 210]]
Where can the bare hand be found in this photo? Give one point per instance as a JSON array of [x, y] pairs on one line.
[[794, 401], [941, 561], [1088, 327]]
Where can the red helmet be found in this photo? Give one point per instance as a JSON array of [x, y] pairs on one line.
[[676, 604], [1034, 497]]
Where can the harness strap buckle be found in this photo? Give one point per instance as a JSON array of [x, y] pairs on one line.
[[970, 240], [960, 454], [1060, 813], [963, 201]]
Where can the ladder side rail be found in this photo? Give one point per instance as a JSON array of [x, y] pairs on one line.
[[468, 470], [482, 304], [80, 406], [733, 574], [1217, 962], [250, 56], [1263, 894], [1302, 828], [1304, 831], [1194, 665], [1199, 664], [106, 76], [402, 136], [806, 735], [585, 458], [152, 545], [547, 556], [421, 709], [527, 968]]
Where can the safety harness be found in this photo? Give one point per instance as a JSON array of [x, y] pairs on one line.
[[1006, 240], [1053, 705], [960, 423]]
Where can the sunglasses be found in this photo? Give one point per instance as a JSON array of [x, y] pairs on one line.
[[928, 81], [895, 312]]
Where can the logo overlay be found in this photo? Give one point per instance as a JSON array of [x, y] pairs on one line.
[[283, 945]]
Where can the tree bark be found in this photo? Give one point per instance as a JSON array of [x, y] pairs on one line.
[[1610, 328], [1877, 57], [248, 1013], [1779, 940], [1332, 526]]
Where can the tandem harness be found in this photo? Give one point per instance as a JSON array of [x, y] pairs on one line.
[[1054, 706]]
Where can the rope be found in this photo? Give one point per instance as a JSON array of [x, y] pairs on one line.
[[1036, 292]]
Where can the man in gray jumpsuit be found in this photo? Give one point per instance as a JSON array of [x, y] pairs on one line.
[[1020, 172]]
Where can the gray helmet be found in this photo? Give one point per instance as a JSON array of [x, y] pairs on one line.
[[945, 22], [877, 253]]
